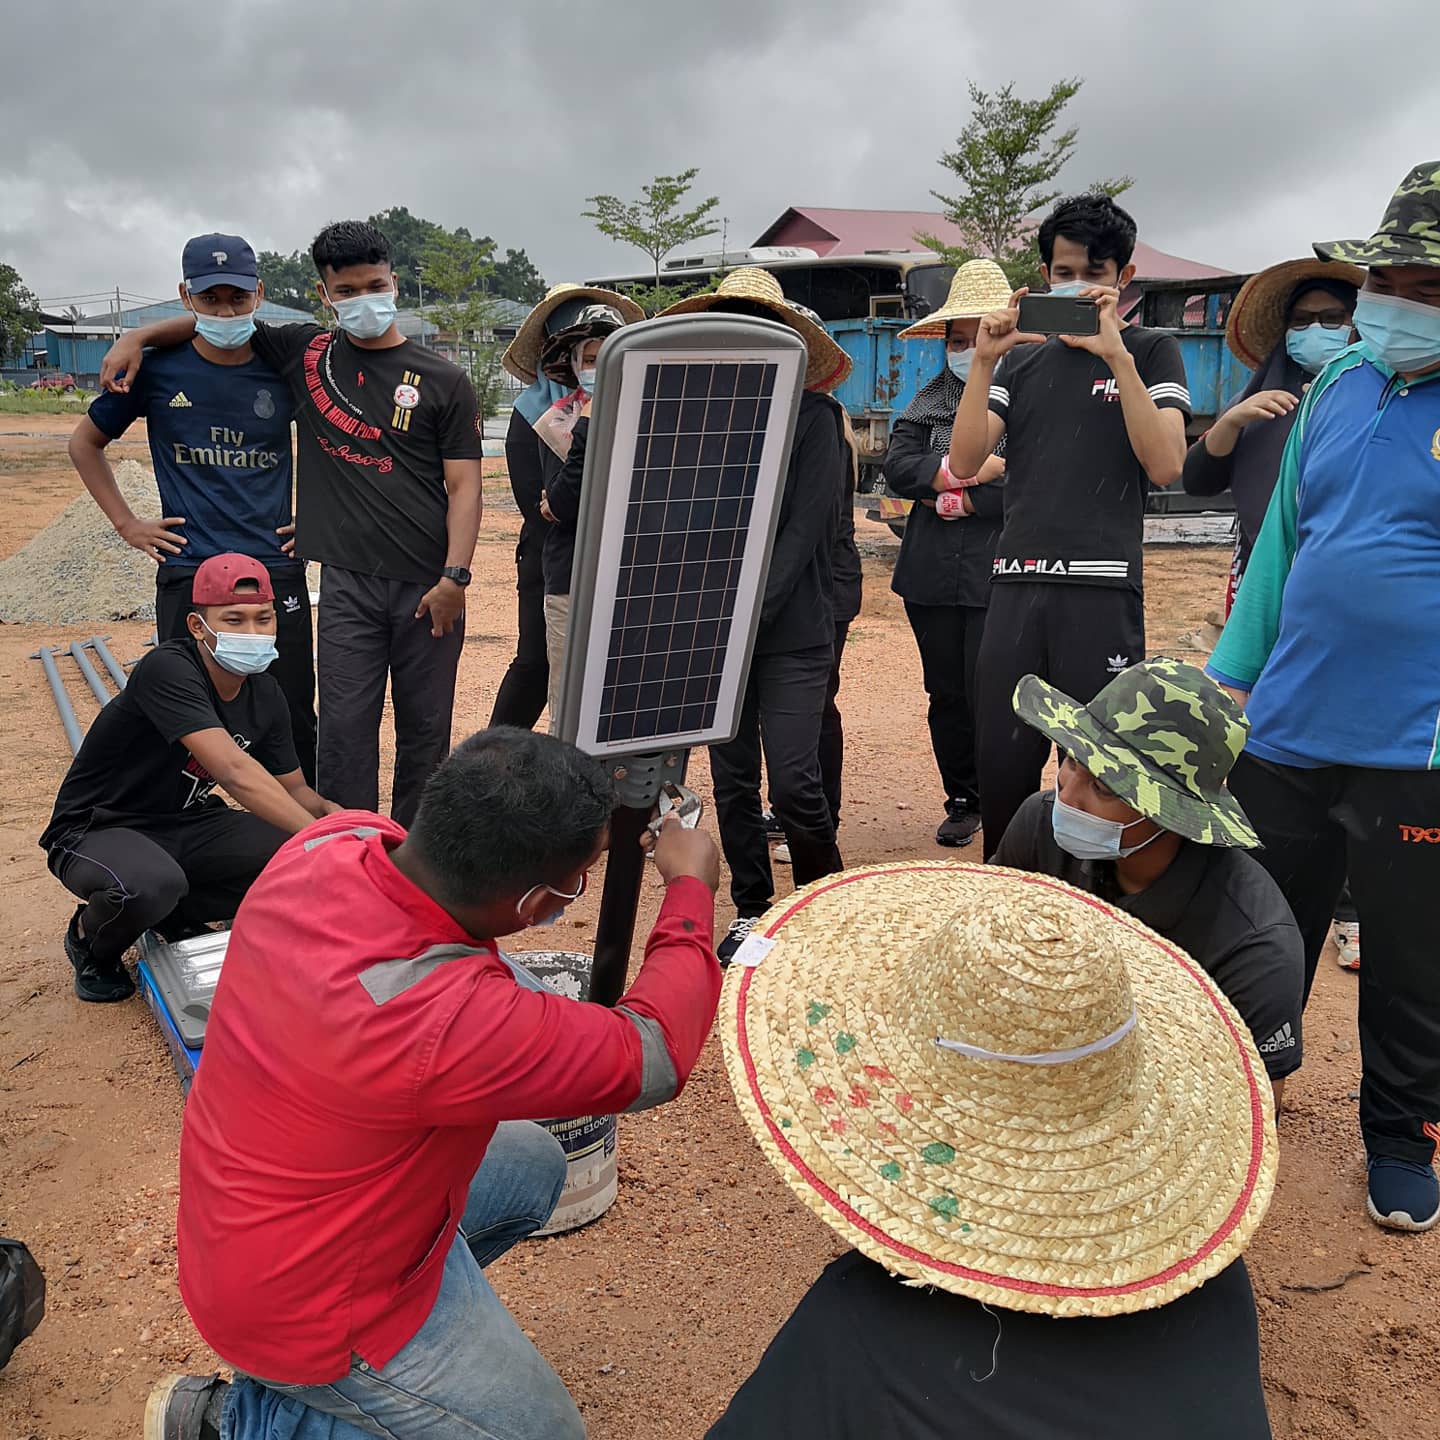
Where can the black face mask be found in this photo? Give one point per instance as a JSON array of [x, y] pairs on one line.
[[22, 1297]]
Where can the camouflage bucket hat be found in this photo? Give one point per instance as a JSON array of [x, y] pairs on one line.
[[1410, 232], [1162, 736]]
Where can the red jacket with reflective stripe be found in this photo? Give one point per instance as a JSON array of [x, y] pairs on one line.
[[360, 1052]]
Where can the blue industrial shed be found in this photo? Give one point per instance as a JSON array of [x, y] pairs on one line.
[[79, 348]]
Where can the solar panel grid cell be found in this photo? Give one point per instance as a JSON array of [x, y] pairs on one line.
[[699, 440]]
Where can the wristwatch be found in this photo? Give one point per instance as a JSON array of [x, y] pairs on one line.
[[458, 573]]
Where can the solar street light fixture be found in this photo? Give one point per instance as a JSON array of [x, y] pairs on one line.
[[685, 465]]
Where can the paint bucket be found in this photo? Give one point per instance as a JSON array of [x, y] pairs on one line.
[[588, 1140]]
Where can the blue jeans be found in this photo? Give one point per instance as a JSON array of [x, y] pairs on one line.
[[468, 1373]]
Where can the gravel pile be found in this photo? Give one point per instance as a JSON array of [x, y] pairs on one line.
[[77, 569]]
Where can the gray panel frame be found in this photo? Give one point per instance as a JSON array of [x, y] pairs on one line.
[[689, 339]]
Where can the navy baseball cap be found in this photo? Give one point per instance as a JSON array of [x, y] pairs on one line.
[[219, 260]]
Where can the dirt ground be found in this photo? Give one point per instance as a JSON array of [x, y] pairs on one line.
[[655, 1313]]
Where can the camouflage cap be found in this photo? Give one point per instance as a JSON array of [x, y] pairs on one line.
[[1162, 736], [1410, 232]]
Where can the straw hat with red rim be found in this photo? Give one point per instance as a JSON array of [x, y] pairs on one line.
[[1257, 318], [522, 355], [978, 287], [829, 364], [991, 1083]]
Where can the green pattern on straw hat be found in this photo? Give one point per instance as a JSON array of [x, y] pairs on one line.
[[1410, 232], [991, 1083], [1161, 735]]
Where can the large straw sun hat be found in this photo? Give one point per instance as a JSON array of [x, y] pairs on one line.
[[522, 355], [829, 364], [1257, 318], [978, 287], [991, 1083]]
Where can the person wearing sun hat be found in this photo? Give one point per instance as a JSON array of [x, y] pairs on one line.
[[794, 652], [1140, 817], [525, 687], [1045, 1122], [1332, 646], [536, 442], [946, 555]]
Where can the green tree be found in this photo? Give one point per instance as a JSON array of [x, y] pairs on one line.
[[1006, 158], [456, 270], [290, 279], [19, 313], [516, 278], [655, 223]]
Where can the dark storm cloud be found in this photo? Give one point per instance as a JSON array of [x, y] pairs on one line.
[[1250, 129]]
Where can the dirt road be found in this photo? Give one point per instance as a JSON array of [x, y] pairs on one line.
[[654, 1314]]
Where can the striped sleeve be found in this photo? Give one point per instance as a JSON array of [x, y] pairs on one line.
[[1000, 388], [1162, 368]]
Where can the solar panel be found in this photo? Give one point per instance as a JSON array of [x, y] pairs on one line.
[[684, 470]]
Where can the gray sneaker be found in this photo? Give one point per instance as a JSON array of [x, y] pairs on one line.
[[185, 1407]]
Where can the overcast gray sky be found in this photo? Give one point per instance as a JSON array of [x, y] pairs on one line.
[[1252, 127]]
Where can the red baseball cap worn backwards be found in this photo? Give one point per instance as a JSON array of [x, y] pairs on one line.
[[217, 577]]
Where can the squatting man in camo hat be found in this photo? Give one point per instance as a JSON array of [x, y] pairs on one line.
[[1332, 646], [1140, 817]]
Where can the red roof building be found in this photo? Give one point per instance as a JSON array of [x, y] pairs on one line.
[[854, 232]]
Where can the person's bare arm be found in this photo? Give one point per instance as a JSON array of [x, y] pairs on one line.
[[295, 786], [992, 469], [246, 780], [444, 602], [124, 358], [977, 429], [156, 538]]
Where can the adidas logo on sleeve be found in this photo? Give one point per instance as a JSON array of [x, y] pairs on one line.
[[1282, 1039]]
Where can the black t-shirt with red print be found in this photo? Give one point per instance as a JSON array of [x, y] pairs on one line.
[[132, 766], [1074, 488], [375, 428]]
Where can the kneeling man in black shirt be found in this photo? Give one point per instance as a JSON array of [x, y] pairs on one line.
[[137, 832], [1140, 817], [1043, 1122]]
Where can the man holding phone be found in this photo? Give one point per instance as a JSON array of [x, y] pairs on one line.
[[1087, 420]]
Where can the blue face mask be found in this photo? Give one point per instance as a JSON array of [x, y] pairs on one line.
[[1314, 347], [366, 317], [959, 362], [586, 377], [1403, 333], [243, 654], [225, 332], [1070, 287], [1088, 837]]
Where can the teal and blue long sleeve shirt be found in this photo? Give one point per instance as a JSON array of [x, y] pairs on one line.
[[1336, 629]]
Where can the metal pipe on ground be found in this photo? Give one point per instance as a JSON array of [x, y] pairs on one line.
[[92, 676], [107, 658], [46, 657]]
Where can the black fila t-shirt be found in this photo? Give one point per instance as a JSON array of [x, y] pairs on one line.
[[374, 428], [1074, 490]]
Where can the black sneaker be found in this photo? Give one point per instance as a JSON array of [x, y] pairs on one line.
[[735, 937], [100, 981], [774, 830], [185, 1407], [959, 825]]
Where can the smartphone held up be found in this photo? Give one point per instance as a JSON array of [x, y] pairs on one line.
[[1058, 315]]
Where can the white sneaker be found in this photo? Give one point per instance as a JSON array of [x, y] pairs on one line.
[[1346, 936], [780, 853]]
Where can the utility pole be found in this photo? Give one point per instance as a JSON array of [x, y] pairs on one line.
[[724, 236], [420, 283]]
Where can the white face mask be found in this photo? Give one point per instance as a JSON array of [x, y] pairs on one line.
[[1089, 837], [959, 362]]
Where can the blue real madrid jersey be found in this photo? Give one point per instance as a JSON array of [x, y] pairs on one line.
[[220, 443]]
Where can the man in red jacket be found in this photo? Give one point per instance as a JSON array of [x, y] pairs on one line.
[[368, 1048]]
